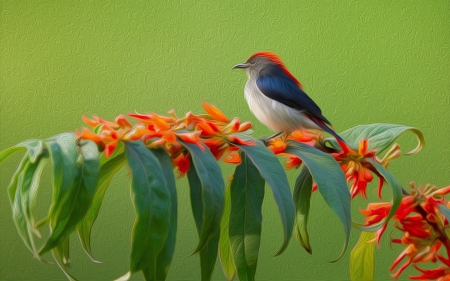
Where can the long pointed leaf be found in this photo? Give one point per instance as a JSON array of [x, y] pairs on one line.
[[151, 201], [72, 201], [61, 255], [225, 253], [208, 252], [247, 194], [331, 182], [16, 205], [362, 258], [164, 258], [272, 171], [210, 181], [109, 167], [302, 200]]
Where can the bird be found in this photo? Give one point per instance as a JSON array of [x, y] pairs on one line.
[[277, 98]]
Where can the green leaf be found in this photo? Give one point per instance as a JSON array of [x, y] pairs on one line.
[[165, 257], [75, 185], [207, 192], [362, 258], [302, 200], [272, 171], [61, 255], [208, 257], [34, 149], [17, 210], [109, 167], [381, 136], [396, 198], [247, 194], [208, 252], [225, 253], [331, 182], [151, 201], [8, 152]]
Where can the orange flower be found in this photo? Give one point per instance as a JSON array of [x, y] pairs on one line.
[[356, 169], [277, 145], [183, 164], [293, 162], [305, 136], [233, 158], [421, 221], [214, 112]]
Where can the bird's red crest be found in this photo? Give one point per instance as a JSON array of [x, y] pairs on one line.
[[276, 59]]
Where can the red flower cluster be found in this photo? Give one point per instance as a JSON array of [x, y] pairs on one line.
[[420, 218], [278, 145], [213, 130], [358, 171]]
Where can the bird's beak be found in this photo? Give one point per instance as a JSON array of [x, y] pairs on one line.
[[241, 65]]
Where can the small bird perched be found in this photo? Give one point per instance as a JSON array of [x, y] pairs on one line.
[[276, 97]]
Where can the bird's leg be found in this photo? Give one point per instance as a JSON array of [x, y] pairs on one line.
[[266, 140]]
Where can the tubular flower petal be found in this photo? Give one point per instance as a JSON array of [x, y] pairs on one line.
[[183, 164], [305, 136], [233, 158], [214, 112], [88, 135], [293, 162], [245, 126], [440, 274], [122, 122]]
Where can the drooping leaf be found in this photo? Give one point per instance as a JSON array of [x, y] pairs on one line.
[[61, 255], [302, 200], [208, 252], [17, 211], [109, 167], [272, 171], [380, 136], [165, 256], [78, 184], [151, 200], [362, 258], [225, 253], [207, 193], [330, 180], [34, 149], [396, 198], [208, 257], [8, 152], [247, 194], [63, 154]]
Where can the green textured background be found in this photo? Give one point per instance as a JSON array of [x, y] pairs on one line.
[[361, 61]]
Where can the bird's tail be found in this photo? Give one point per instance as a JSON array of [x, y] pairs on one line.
[[328, 129]]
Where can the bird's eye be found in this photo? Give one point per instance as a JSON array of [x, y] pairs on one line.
[[252, 62]]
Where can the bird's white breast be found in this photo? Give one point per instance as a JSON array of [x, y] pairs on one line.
[[275, 115]]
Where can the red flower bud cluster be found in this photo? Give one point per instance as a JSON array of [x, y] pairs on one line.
[[213, 130], [423, 225]]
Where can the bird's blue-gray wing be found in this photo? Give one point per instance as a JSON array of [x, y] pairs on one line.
[[280, 87]]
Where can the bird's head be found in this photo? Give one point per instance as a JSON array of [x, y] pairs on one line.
[[264, 61], [261, 60]]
